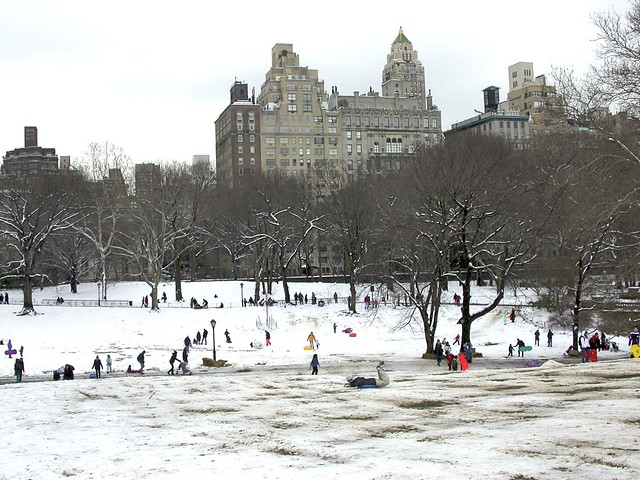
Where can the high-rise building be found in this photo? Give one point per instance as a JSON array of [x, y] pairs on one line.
[[533, 97], [299, 128], [378, 131], [148, 178], [238, 138], [30, 159], [293, 118]]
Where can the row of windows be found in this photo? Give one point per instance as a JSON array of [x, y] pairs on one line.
[[252, 161], [407, 122], [250, 115], [252, 149], [252, 138]]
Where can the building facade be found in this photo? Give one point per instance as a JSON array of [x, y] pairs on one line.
[[497, 121], [147, 178], [30, 159], [300, 128], [238, 146], [533, 97]]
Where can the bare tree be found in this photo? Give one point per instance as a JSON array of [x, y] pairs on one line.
[[32, 209]]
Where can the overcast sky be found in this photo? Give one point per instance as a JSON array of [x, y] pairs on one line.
[[153, 76]]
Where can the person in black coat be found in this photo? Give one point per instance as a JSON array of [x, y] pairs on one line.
[[140, 359], [185, 355], [172, 360], [97, 365], [439, 352]]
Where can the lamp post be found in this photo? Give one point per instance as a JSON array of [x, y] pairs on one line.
[[213, 335], [98, 285], [241, 294]]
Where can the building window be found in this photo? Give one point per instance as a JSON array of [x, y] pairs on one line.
[[252, 160], [396, 122], [348, 133], [367, 121], [292, 107], [252, 116], [306, 97], [284, 152], [239, 126], [317, 119], [376, 121], [376, 147], [252, 127], [349, 148], [240, 138], [240, 161], [357, 121], [333, 130], [434, 123], [252, 149], [333, 151], [252, 138], [406, 122], [347, 120], [270, 141], [284, 140], [386, 121], [291, 97], [241, 171], [319, 140], [239, 116], [308, 153], [359, 148], [332, 119], [240, 149], [333, 141], [358, 135], [306, 107]]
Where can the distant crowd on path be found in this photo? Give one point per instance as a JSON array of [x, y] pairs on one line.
[[4, 298]]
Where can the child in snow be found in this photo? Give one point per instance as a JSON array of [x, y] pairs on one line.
[[314, 364], [510, 350]]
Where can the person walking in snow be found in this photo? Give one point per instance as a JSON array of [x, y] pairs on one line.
[[227, 335], [18, 369], [140, 359], [97, 366], [109, 363], [9, 347], [549, 338], [312, 341], [185, 354], [456, 341], [438, 350], [536, 337], [198, 337], [267, 337], [205, 334], [335, 327], [187, 343], [314, 364], [172, 360], [519, 345], [510, 351], [512, 315]]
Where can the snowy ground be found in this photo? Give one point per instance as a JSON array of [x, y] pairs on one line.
[[264, 416]]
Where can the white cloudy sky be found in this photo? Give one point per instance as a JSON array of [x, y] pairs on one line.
[[153, 76]]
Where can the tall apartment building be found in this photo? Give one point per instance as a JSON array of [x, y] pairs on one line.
[[147, 178], [30, 159], [533, 97], [377, 131], [238, 149], [293, 120], [299, 127]]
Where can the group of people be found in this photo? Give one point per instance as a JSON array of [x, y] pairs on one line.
[[200, 339], [536, 338], [4, 298], [194, 303], [97, 365]]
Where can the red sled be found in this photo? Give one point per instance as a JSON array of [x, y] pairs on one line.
[[594, 355], [352, 334]]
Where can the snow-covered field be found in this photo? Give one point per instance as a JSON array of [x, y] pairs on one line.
[[264, 416]]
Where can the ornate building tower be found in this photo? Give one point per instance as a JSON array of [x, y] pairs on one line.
[[403, 74]]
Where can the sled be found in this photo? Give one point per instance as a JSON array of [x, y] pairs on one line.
[[464, 365], [593, 355], [635, 351], [367, 386], [10, 352], [352, 334], [308, 347], [526, 349]]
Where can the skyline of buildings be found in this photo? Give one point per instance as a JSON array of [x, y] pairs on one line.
[[296, 126]]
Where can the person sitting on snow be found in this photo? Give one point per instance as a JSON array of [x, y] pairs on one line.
[[186, 370], [381, 381]]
